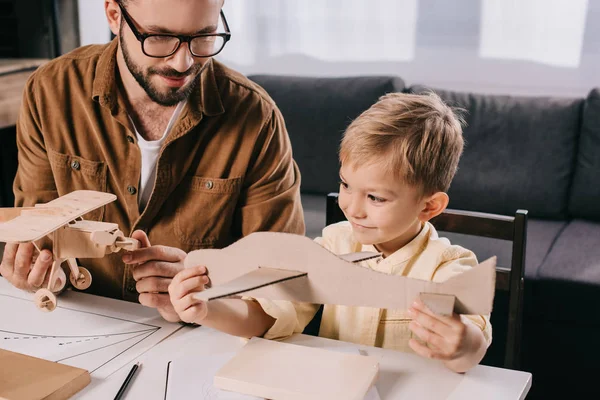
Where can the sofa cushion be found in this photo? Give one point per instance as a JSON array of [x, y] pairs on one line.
[[520, 153], [569, 278], [576, 254], [585, 193], [541, 234], [316, 113]]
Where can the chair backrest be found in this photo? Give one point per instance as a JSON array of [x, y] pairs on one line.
[[508, 302]]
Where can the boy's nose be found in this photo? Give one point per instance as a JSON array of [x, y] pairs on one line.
[[354, 208]]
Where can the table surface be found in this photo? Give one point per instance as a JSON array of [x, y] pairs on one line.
[[401, 375]]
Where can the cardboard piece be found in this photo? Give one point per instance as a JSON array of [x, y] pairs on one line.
[[275, 370], [72, 236], [28, 378], [441, 304], [330, 279]]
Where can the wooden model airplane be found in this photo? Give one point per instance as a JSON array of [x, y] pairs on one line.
[[72, 236], [280, 266]]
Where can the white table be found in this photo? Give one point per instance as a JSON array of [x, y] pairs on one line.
[[402, 375]]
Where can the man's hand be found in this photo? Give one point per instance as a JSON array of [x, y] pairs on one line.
[[155, 267], [181, 290], [27, 271], [461, 346]]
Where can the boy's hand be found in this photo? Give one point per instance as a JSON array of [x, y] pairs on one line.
[[155, 266], [181, 290], [445, 337]]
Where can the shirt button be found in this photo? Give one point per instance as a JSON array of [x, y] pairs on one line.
[[130, 139], [75, 165], [131, 189], [131, 289], [209, 184]]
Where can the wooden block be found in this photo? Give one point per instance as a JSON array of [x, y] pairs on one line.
[[275, 370], [28, 378], [441, 304]]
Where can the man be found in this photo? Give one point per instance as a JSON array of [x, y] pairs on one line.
[[197, 155]]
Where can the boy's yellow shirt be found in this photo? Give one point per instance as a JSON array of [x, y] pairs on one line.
[[426, 257]]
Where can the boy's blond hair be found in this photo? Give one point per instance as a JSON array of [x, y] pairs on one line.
[[417, 137]]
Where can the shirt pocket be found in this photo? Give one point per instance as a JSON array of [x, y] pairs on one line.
[[394, 332], [205, 210], [72, 172]]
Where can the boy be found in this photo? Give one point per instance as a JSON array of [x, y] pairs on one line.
[[398, 159]]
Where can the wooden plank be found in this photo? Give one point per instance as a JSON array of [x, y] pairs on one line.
[[28, 378], [275, 370]]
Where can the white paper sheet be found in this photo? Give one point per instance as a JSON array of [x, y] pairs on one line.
[[192, 378], [91, 332]]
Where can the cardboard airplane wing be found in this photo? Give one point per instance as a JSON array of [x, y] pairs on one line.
[[32, 223], [280, 266]]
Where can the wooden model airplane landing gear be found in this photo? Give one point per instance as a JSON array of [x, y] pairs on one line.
[[80, 278], [45, 300]]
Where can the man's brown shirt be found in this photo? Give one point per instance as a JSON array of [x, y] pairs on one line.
[[224, 171]]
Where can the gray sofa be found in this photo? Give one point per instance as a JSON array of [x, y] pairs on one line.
[[533, 153]]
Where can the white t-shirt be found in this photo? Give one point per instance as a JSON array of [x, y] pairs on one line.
[[150, 150]]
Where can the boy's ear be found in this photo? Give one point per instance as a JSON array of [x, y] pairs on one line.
[[433, 206]]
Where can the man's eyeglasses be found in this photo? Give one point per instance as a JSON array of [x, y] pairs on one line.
[[163, 45]]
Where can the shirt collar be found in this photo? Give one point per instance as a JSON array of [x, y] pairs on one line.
[[402, 255]]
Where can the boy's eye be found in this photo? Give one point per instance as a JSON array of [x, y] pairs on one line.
[[376, 199], [344, 184]]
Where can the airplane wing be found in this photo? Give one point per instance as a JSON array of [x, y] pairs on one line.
[[331, 279], [264, 276], [256, 279], [35, 223]]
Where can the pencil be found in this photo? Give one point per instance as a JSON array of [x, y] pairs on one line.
[[127, 381]]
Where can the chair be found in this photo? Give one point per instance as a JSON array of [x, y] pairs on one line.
[[508, 301]]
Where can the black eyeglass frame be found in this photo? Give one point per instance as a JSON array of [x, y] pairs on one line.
[[141, 37]]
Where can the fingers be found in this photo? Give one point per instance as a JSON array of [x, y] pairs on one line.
[[40, 269], [426, 318], [22, 265], [444, 336], [430, 338], [153, 285], [154, 253], [156, 269], [188, 273], [194, 313], [8, 260], [142, 237], [426, 351], [155, 300], [181, 290], [169, 314], [193, 284]]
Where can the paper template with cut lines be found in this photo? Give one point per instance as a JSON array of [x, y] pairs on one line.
[[90, 332]]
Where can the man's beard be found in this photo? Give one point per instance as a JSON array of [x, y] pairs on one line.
[[173, 95]]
